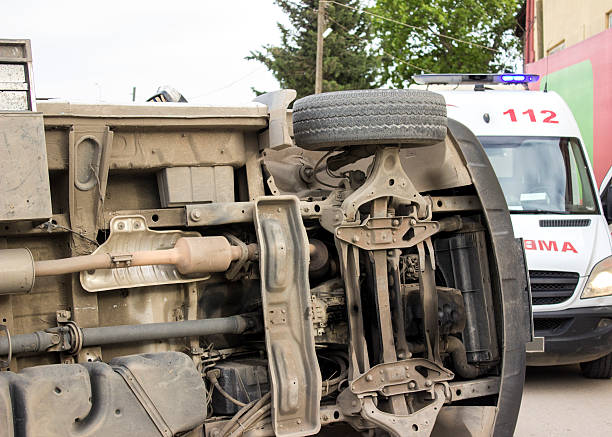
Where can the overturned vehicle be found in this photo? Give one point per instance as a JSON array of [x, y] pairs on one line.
[[167, 269]]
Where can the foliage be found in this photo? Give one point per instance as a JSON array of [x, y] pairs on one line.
[[408, 51], [348, 62]]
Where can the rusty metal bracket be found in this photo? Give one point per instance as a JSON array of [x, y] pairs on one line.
[[387, 179], [285, 293], [359, 360], [328, 211], [383, 233], [475, 388], [233, 273], [406, 376], [278, 135], [419, 423], [121, 260], [66, 338], [215, 214]]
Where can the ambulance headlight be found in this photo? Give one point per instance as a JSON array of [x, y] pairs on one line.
[[600, 280]]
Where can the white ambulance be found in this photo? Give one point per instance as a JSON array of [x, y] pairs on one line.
[[535, 147]]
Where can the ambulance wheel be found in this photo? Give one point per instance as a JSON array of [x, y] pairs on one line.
[[408, 118], [600, 368]]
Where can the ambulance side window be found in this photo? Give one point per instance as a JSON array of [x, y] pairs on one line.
[[577, 174]]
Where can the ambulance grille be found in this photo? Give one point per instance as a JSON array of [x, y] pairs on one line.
[[565, 223], [549, 324], [548, 288]]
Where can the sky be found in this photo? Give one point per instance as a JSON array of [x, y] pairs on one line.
[[99, 50]]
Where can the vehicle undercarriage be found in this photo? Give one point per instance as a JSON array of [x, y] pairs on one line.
[[347, 267]]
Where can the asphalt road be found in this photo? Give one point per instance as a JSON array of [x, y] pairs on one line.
[[558, 401]]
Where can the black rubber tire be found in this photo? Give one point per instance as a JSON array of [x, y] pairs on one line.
[[600, 368], [365, 117]]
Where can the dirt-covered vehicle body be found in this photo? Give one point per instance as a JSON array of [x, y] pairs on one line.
[[168, 269]]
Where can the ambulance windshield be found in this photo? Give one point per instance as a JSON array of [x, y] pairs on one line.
[[542, 174]]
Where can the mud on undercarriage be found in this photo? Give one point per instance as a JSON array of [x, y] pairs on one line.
[[345, 267]]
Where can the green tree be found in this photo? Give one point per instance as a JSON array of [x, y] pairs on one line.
[[348, 61], [426, 36]]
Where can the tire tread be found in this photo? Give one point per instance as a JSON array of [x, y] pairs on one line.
[[369, 117], [600, 368]]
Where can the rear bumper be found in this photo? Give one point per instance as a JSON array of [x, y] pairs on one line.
[[572, 336]]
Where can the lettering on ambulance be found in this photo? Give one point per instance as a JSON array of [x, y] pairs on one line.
[[552, 245], [532, 117], [549, 246]]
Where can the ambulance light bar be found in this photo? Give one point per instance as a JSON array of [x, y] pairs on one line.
[[452, 79]]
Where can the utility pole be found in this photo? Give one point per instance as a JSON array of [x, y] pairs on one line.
[[133, 94], [320, 30]]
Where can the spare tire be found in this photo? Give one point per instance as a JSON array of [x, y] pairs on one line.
[[364, 117]]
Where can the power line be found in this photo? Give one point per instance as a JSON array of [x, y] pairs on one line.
[[422, 29], [407, 63], [229, 84], [385, 53], [348, 33]]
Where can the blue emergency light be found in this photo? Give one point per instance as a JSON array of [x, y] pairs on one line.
[[519, 78], [457, 79]]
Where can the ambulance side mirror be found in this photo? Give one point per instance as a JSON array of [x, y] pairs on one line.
[[608, 204]]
